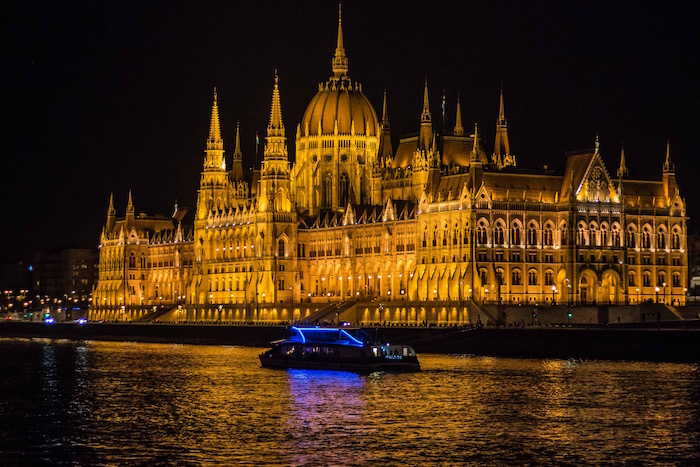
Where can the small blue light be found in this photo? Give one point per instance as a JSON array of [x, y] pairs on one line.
[[82, 321], [49, 321]]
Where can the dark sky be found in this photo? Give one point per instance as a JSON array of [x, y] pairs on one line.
[[106, 96]]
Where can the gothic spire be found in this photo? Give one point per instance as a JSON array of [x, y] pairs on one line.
[[501, 110], [385, 114], [215, 141], [459, 129], [475, 147], [111, 211], [597, 144], [237, 154], [622, 170], [276, 127], [130, 204], [425, 116], [340, 61], [668, 165]]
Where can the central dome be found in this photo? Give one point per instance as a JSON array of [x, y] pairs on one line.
[[344, 104]]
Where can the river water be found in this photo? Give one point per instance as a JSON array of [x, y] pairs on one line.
[[122, 403]]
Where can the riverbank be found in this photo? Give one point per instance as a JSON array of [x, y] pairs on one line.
[[609, 343]]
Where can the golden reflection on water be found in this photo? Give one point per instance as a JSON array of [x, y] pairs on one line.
[[118, 403]]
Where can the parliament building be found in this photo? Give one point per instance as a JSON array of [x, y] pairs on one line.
[[432, 231]]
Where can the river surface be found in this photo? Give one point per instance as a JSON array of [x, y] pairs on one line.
[[86, 403]]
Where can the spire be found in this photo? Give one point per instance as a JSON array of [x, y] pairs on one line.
[[459, 129], [501, 148], [385, 114], [668, 164], [276, 126], [501, 110], [111, 211], [622, 170], [237, 154], [215, 141], [129, 205], [425, 116], [475, 147], [340, 61]]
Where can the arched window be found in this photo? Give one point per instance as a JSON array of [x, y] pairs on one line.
[[532, 277], [646, 237], [581, 234], [662, 239], [676, 279], [531, 235], [516, 235], [132, 260], [328, 190], [675, 240], [632, 279], [445, 235], [498, 235], [661, 279], [646, 279], [616, 236], [516, 279], [281, 249], [548, 236], [483, 274], [280, 283], [548, 278]]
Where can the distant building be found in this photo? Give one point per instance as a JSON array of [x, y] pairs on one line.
[[65, 278], [353, 222]]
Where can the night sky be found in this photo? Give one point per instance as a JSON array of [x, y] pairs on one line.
[[101, 96]]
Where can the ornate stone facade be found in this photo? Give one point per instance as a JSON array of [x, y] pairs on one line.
[[354, 223]]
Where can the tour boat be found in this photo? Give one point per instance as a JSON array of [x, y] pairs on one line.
[[324, 348]]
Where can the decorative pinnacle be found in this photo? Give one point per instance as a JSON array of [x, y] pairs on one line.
[[622, 170], [501, 109], [339, 64], [668, 165], [475, 147], [425, 116], [276, 111], [459, 129], [385, 114], [215, 141], [130, 204], [597, 144], [237, 154]]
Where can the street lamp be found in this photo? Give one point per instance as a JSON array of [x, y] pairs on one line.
[[657, 294], [664, 292], [554, 291]]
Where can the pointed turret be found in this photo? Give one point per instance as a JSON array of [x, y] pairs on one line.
[[475, 146], [215, 141], [669, 175], [276, 127], [597, 144], [459, 129], [622, 170], [668, 164], [129, 213], [111, 214], [385, 114], [425, 137], [340, 61], [237, 167], [274, 192], [425, 115], [214, 153], [385, 152], [501, 148]]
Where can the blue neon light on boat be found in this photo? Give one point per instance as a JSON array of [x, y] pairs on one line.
[[341, 333]]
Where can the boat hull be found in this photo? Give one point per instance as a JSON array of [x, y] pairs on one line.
[[337, 365]]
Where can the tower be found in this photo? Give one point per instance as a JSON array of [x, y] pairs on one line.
[[459, 129], [669, 174], [425, 137], [213, 184], [130, 222], [237, 165], [111, 214], [501, 148], [622, 169]]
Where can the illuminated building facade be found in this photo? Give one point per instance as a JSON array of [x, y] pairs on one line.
[[383, 234]]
